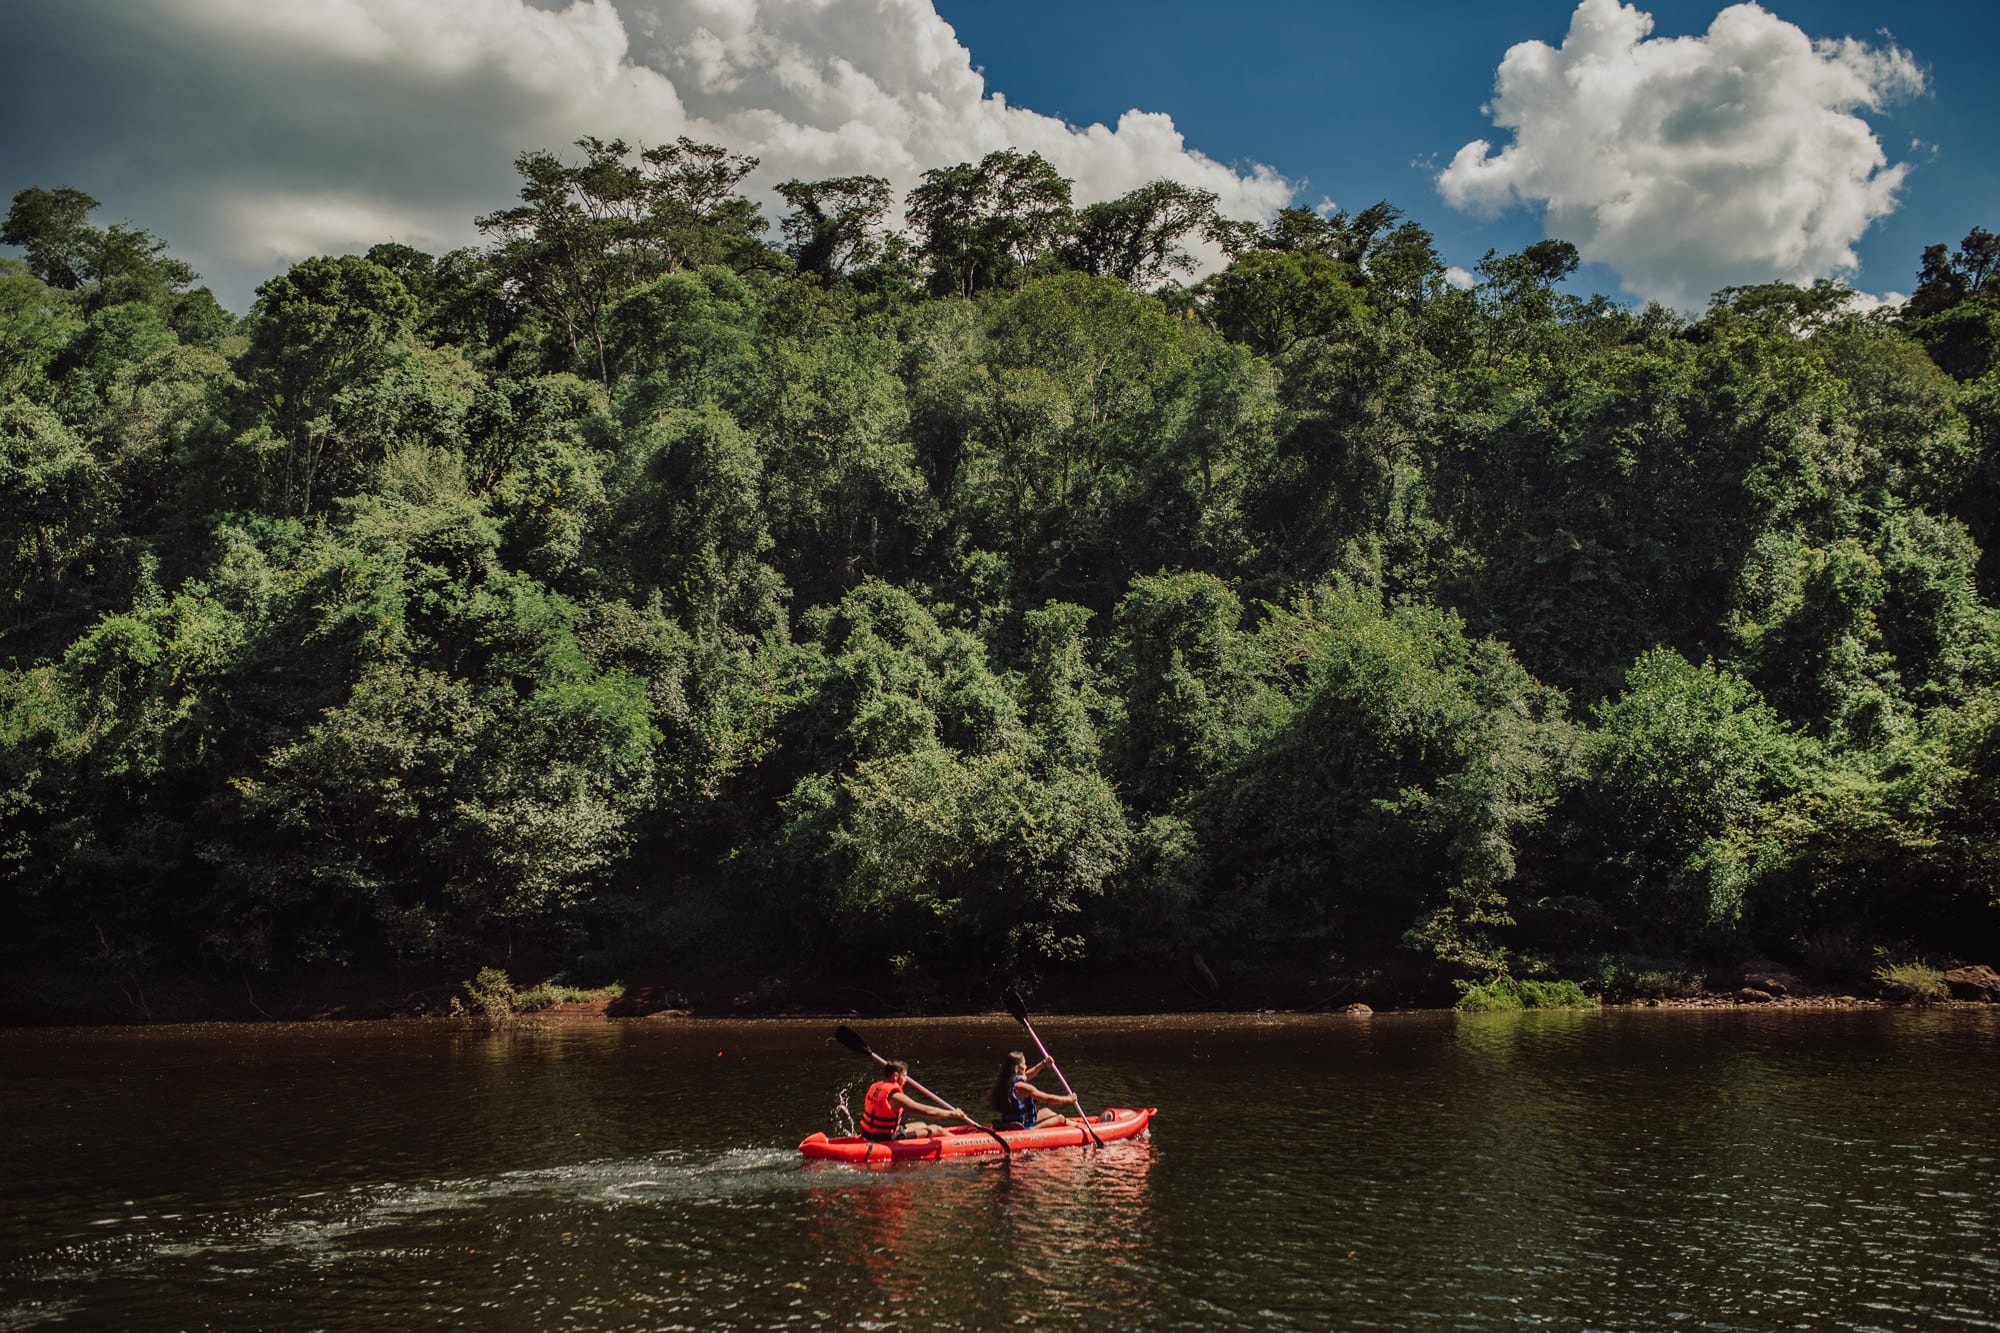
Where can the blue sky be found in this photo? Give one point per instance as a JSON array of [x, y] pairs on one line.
[[252, 133]]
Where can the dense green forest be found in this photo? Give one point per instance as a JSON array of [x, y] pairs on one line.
[[650, 588]]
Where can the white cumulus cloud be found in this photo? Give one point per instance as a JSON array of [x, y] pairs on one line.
[[1692, 163], [251, 132]]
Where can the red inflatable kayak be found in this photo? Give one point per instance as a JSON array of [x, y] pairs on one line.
[[964, 1141]]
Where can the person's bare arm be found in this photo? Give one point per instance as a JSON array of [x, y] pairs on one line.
[[1056, 1098]]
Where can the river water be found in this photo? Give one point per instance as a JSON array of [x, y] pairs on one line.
[[1720, 1169]]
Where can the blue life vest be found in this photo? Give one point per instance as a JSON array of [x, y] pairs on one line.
[[1020, 1112]]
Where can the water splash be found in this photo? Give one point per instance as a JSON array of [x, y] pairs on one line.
[[843, 1116]]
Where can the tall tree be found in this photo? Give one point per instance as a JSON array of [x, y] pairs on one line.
[[108, 266], [979, 226], [1396, 261], [53, 226], [694, 207], [569, 248], [1955, 310], [1271, 300], [1139, 236], [1946, 278], [318, 332], [583, 235], [834, 224]]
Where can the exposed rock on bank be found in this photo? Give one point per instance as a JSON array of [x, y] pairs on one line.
[[1979, 982]]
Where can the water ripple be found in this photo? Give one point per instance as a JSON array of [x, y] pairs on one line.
[[1614, 1171]]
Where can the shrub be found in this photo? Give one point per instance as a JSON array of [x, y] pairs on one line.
[[493, 997], [536, 997], [1382, 786], [1504, 993], [1918, 983], [489, 994], [550, 992]]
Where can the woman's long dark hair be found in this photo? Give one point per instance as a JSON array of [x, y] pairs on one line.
[[1002, 1096]]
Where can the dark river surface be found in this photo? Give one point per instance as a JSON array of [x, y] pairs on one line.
[[1716, 1169]]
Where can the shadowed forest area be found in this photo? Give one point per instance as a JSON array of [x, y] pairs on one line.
[[650, 590]]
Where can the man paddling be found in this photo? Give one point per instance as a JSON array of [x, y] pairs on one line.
[[882, 1109]]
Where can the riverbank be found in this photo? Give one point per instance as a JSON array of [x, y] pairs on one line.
[[53, 997]]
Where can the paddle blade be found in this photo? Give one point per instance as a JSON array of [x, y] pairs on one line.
[[851, 1039], [1015, 1005]]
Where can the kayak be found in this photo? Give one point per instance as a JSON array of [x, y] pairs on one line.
[[965, 1141]]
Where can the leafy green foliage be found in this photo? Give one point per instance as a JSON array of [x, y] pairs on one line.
[[54, 506], [1505, 994], [1270, 300], [1919, 983], [1381, 800], [1138, 237], [979, 227], [835, 224], [106, 266], [635, 589], [930, 817], [586, 234], [326, 340], [1673, 800]]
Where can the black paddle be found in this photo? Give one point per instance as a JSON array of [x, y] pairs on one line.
[[1020, 1012], [851, 1039]]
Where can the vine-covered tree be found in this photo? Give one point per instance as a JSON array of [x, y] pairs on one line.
[[835, 225]]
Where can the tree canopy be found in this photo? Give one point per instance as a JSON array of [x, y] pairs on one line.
[[969, 591]]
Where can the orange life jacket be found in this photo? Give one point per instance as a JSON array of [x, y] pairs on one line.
[[880, 1117]]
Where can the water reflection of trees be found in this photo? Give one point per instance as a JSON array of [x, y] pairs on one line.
[[1642, 1168]]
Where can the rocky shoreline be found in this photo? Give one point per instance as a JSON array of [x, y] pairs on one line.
[[1762, 981], [43, 999]]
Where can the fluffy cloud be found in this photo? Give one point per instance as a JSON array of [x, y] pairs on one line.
[[1689, 164], [251, 132]]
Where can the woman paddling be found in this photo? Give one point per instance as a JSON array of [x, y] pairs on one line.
[[1018, 1101]]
